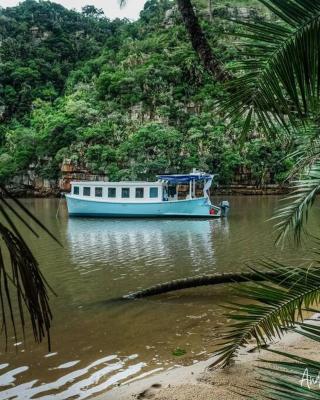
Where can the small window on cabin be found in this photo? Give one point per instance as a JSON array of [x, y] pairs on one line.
[[125, 193], [98, 191], [139, 193], [111, 192], [75, 189], [154, 191], [86, 191]]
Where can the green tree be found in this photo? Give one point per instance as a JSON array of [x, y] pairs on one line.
[[92, 11], [152, 149], [41, 42]]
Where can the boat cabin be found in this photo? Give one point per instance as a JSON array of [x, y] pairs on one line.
[[167, 188]]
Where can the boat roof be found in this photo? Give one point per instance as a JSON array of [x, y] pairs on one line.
[[120, 183], [181, 178], [170, 178]]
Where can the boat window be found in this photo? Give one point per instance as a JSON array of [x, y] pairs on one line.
[[86, 191], [139, 193], [75, 189], [98, 191], [111, 192], [125, 193], [153, 192]]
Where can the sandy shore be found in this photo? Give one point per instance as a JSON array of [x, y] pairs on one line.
[[196, 382]]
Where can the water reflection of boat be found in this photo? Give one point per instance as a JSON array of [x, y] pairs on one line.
[[147, 242]]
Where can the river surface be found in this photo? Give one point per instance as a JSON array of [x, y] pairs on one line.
[[98, 341]]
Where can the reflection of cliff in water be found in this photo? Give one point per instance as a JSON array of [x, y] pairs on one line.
[[144, 243]]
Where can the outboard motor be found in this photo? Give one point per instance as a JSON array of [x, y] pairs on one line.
[[225, 206]]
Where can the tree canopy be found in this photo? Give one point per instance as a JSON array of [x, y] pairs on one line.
[[77, 84]]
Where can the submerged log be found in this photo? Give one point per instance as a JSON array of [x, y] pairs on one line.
[[203, 280]]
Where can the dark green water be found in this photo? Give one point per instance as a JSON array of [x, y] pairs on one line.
[[97, 343]]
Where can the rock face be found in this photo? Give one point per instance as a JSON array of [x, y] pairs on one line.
[[74, 172], [30, 184]]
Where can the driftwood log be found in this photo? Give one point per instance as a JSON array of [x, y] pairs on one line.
[[203, 280]]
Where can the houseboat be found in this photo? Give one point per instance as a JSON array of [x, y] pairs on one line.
[[162, 198]]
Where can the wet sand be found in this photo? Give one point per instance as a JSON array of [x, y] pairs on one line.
[[198, 382]]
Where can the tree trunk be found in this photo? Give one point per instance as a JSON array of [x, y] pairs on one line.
[[203, 280], [210, 9], [199, 42]]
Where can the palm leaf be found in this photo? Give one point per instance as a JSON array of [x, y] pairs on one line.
[[277, 85], [20, 275], [275, 307], [287, 379], [296, 209], [278, 76], [276, 388], [307, 151]]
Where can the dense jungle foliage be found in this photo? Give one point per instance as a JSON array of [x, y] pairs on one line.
[[126, 99]]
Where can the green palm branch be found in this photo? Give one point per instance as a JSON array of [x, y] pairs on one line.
[[275, 307], [286, 379], [295, 212], [21, 280], [278, 74], [277, 88], [306, 153]]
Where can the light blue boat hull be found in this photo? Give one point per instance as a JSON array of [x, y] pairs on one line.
[[79, 207]]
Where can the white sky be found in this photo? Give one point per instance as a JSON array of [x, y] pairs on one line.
[[110, 7]]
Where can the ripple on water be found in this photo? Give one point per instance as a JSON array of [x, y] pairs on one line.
[[81, 383], [9, 377], [104, 259]]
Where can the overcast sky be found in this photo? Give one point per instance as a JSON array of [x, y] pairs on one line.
[[110, 7]]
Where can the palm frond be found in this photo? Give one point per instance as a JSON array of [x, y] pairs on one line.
[[21, 280], [295, 212], [24, 210], [275, 307], [294, 378], [277, 388], [278, 76], [306, 151]]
